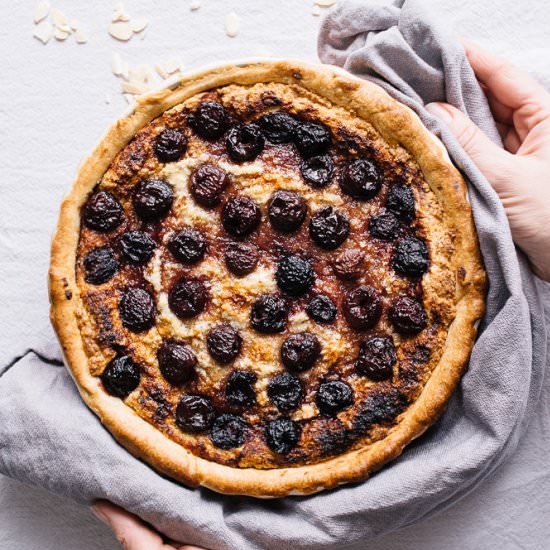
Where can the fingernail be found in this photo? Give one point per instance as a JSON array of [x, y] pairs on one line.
[[440, 112], [98, 513]]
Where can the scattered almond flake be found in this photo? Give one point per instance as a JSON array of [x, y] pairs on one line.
[[160, 70], [232, 24], [117, 65], [74, 24], [195, 5], [80, 36], [41, 11], [64, 28], [133, 88], [316, 10], [60, 35], [43, 31], [325, 3], [120, 30], [120, 13], [139, 24], [59, 19]]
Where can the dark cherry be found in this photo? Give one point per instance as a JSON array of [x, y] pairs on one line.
[[300, 351], [348, 265], [137, 310], [170, 145], [282, 435], [332, 397], [207, 183], [285, 391], [318, 170], [400, 201], [278, 127], [121, 376], [102, 212], [294, 275], [384, 226], [362, 307], [239, 389], [187, 298], [408, 315], [245, 142], [287, 211], [228, 431], [136, 247], [240, 216], [360, 179], [376, 358], [311, 139], [411, 257], [241, 258], [100, 265], [322, 309], [194, 413], [188, 246], [224, 343], [152, 199], [209, 120], [269, 314], [329, 228], [176, 362]]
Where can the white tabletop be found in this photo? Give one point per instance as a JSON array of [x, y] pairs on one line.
[[53, 109]]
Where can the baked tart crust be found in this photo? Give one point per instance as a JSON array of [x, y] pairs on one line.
[[196, 254]]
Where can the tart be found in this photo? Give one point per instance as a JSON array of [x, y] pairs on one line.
[[266, 279]]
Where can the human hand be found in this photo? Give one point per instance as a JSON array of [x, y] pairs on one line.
[[131, 532], [519, 173]]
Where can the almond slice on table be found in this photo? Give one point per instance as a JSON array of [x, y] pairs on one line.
[[43, 31], [138, 24], [80, 36], [316, 10], [232, 24], [59, 19], [195, 5], [121, 30], [325, 3], [41, 11], [60, 34]]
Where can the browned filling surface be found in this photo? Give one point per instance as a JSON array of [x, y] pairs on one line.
[[264, 278]]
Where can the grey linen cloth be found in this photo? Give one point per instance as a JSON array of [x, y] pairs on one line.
[[48, 437]]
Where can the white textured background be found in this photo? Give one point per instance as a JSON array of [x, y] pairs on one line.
[[53, 110]]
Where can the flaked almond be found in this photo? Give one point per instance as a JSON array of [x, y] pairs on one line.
[[41, 11], [60, 35], [138, 24], [195, 5], [325, 3], [117, 64], [134, 88], [160, 70], [80, 36], [59, 19], [232, 24], [64, 28], [121, 30], [43, 31], [316, 10]]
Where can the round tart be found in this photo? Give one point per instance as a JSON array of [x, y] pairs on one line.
[[266, 279]]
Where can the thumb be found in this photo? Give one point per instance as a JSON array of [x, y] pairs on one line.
[[487, 156]]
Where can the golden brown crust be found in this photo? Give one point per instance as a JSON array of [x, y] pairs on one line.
[[396, 124]]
